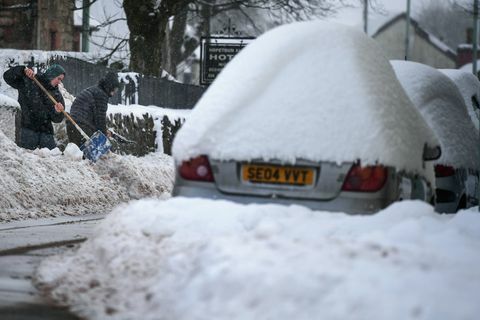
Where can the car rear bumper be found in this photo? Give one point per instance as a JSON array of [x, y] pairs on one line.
[[352, 203]]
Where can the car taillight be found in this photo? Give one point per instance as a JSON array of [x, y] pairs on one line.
[[197, 169], [444, 171], [365, 179]]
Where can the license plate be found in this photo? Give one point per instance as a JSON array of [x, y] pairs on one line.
[[286, 175]]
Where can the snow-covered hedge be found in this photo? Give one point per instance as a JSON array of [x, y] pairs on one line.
[[147, 136], [151, 128]]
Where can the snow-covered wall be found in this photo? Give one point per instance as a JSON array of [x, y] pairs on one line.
[[8, 110]]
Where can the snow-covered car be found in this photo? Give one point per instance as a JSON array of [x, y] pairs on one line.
[[469, 87], [309, 113], [439, 100]]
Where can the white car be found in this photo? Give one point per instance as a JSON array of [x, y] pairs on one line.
[[309, 113], [441, 103], [469, 87]]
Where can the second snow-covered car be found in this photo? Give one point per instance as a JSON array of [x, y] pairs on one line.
[[469, 87], [309, 113], [439, 100]]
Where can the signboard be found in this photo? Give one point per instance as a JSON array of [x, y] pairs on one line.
[[215, 53]]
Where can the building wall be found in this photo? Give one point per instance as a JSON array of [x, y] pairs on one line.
[[55, 19], [16, 24], [392, 40], [464, 55], [37, 24]]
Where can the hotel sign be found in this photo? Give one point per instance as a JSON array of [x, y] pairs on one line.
[[215, 53]]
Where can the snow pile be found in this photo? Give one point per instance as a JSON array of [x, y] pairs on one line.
[[441, 104], [310, 90], [202, 259], [44, 183], [469, 87]]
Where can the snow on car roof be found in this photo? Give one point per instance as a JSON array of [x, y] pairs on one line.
[[439, 100], [313, 90], [469, 86]]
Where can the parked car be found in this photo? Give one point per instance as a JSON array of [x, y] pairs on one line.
[[439, 100], [469, 87], [309, 113]]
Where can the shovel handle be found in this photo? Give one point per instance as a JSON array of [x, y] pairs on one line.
[[63, 111]]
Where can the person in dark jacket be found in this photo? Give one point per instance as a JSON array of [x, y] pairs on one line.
[[38, 111], [89, 110]]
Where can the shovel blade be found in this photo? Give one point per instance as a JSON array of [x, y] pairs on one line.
[[96, 147]]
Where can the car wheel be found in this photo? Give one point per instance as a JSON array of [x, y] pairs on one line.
[[462, 204]]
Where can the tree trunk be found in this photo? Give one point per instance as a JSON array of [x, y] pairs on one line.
[[147, 33], [177, 36]]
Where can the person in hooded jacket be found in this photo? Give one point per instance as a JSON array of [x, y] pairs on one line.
[[89, 110], [37, 110]]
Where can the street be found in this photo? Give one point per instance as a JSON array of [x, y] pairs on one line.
[[23, 245]]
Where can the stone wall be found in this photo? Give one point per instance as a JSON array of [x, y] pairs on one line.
[[55, 19], [7, 121], [40, 24]]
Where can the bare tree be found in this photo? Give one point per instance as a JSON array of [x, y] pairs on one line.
[[163, 33], [114, 47], [147, 21]]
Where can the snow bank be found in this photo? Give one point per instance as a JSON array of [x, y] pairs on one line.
[[202, 259], [44, 183], [441, 104], [469, 87], [311, 90]]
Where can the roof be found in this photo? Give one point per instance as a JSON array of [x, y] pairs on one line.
[[421, 32]]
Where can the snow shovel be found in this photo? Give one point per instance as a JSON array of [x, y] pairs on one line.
[[119, 138], [94, 147]]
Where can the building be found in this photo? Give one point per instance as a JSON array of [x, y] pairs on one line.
[[423, 46], [38, 24]]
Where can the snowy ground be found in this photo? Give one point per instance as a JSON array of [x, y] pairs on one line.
[[202, 259], [44, 183]]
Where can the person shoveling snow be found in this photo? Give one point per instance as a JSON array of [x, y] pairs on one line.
[[89, 110], [38, 113], [94, 147]]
